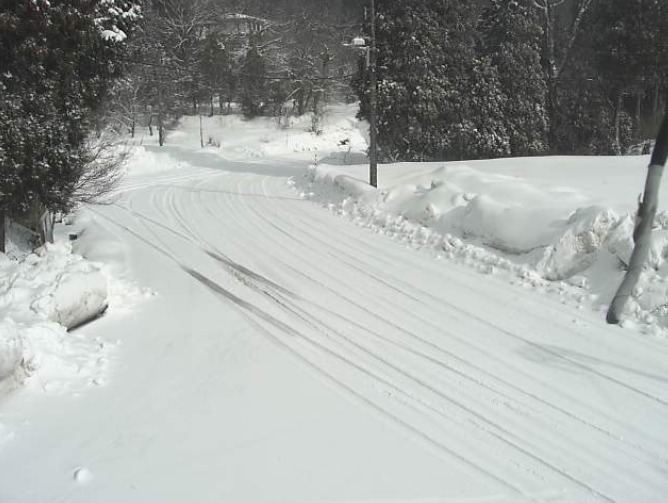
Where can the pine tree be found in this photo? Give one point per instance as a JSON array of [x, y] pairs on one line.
[[436, 98], [630, 55], [566, 67], [253, 83], [59, 58], [511, 38], [215, 66]]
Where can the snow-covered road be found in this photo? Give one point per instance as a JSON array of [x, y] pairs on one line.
[[291, 356]]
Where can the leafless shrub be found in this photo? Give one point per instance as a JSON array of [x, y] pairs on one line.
[[107, 154]]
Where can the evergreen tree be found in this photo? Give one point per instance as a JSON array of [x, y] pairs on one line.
[[436, 98], [58, 58], [511, 38], [215, 65], [631, 57], [561, 48], [253, 83]]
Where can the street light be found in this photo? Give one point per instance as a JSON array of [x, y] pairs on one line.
[[370, 50]]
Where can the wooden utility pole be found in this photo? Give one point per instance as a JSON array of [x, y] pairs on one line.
[[201, 132], [373, 147], [642, 234]]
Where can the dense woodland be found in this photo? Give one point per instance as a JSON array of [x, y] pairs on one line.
[[455, 79], [514, 77]]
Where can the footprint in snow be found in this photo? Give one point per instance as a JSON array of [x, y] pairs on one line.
[[82, 475]]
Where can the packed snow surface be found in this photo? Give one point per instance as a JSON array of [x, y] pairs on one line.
[[315, 340]]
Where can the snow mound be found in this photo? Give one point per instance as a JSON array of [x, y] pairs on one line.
[[579, 241], [553, 238], [40, 298]]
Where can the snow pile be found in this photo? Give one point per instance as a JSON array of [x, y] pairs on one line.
[[549, 236], [40, 297]]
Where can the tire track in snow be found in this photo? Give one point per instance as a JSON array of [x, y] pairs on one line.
[[500, 437], [530, 297], [388, 285], [185, 226], [453, 311], [342, 357], [247, 308], [618, 437], [457, 309]]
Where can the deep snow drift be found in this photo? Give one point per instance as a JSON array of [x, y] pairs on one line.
[[289, 355]]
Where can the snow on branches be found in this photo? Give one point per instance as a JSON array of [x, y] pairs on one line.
[[115, 17]]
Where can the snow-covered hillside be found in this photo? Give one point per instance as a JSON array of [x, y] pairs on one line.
[[439, 339]]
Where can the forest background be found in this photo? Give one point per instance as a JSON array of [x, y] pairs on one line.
[[455, 79]]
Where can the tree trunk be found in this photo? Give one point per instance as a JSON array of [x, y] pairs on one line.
[[638, 121], [161, 128], [618, 123], [642, 235], [46, 222], [655, 102], [161, 125], [3, 232], [133, 119]]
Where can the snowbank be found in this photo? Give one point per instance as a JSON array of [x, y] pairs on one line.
[[548, 235], [67, 289], [41, 297]]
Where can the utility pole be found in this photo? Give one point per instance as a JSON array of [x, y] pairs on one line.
[[642, 234], [370, 53], [373, 147]]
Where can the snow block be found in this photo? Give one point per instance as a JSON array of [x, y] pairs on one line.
[[79, 297]]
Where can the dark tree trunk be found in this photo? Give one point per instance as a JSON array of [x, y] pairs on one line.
[[638, 121], [161, 126], [3, 232], [618, 123]]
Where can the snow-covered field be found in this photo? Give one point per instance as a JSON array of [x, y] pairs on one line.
[[282, 332]]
